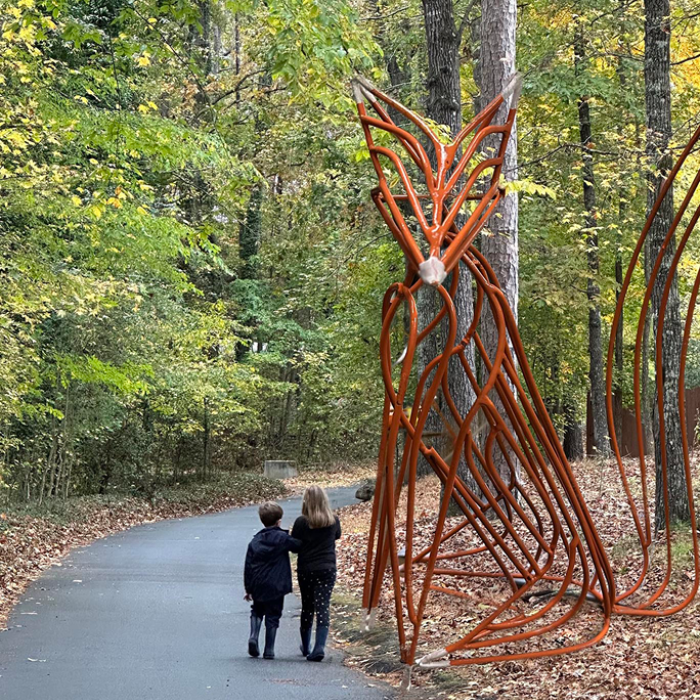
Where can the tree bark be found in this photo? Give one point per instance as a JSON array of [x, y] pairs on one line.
[[618, 396], [237, 55], [573, 433], [499, 244], [497, 66], [444, 102], [206, 435], [250, 232], [657, 76], [595, 346], [618, 376], [444, 106]]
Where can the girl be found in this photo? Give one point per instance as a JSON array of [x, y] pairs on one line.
[[317, 529]]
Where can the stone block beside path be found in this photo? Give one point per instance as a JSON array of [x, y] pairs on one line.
[[280, 469]]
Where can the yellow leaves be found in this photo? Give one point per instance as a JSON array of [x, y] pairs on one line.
[[96, 211], [14, 141], [99, 202], [148, 107], [144, 60], [27, 33], [81, 98], [361, 154], [526, 187]]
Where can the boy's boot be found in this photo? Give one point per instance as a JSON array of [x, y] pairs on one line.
[[305, 640], [255, 624], [318, 651], [270, 634]]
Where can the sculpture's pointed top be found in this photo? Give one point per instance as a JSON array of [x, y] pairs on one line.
[[361, 89], [513, 87], [357, 92]]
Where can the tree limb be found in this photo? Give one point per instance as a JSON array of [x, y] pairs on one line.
[[465, 20]]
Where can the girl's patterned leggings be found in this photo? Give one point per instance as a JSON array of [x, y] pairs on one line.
[[316, 588]]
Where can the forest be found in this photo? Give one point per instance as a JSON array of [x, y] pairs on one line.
[[191, 267]]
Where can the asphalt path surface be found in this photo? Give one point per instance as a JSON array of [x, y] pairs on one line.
[[157, 613]]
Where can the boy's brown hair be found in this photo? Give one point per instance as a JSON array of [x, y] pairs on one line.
[[270, 513]]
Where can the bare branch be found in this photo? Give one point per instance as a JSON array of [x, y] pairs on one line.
[[685, 60], [379, 18], [465, 20]]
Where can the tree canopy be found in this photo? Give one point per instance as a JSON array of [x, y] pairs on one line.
[[191, 271]]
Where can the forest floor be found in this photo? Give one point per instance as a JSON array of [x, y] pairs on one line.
[[641, 657], [33, 539]]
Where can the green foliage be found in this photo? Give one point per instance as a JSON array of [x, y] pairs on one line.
[[128, 310], [191, 274]]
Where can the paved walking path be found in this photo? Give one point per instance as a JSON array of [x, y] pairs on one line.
[[157, 613]]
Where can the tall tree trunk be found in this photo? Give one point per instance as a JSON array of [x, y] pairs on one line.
[[203, 38], [618, 377], [400, 79], [444, 105], [206, 440], [500, 243], [595, 346], [250, 231], [657, 75], [237, 55], [618, 397], [497, 66], [573, 433]]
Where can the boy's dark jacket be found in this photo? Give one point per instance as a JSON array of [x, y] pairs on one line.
[[268, 574]]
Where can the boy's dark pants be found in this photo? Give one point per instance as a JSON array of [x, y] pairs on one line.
[[271, 610]]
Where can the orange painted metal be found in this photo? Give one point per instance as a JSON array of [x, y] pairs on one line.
[[523, 527]]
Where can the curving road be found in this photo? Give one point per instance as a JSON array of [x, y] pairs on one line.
[[157, 613]]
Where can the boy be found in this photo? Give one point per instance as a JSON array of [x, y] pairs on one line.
[[268, 577]]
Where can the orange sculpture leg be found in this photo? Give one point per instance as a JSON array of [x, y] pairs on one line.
[[523, 522]]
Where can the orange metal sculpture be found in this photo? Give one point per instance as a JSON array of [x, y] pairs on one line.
[[524, 529]]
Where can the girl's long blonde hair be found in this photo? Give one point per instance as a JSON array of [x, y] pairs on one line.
[[316, 508]]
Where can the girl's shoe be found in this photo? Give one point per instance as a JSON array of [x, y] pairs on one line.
[[305, 646], [319, 650]]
